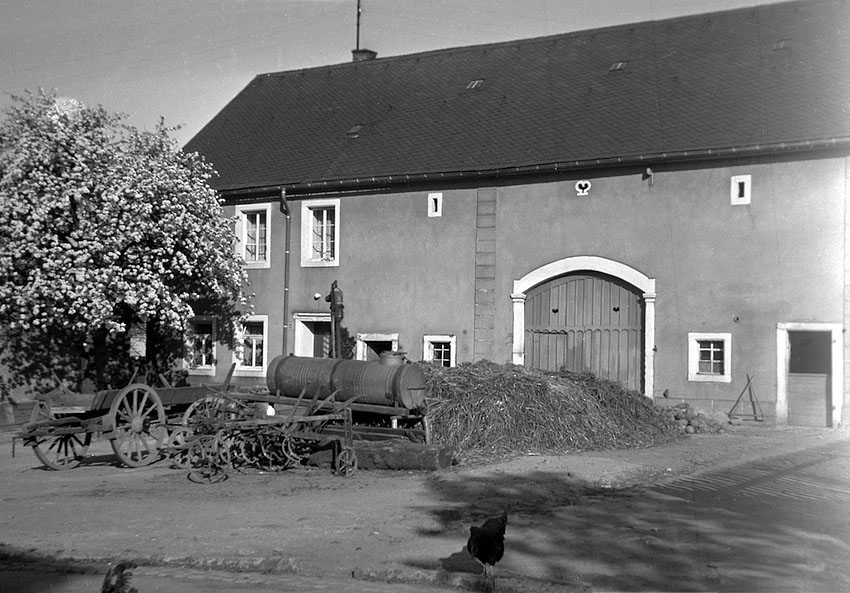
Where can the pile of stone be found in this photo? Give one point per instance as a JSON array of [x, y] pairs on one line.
[[692, 420]]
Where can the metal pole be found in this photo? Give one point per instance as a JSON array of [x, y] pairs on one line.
[[284, 208]]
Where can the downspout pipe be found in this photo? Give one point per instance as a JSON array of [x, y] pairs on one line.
[[284, 209]]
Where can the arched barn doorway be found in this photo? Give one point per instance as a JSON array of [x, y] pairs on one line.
[[587, 313], [586, 322]]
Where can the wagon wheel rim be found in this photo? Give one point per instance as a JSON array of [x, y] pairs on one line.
[[207, 461], [178, 446], [138, 419], [346, 462], [63, 451]]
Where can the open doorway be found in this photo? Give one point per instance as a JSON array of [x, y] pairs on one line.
[[312, 334], [809, 378]]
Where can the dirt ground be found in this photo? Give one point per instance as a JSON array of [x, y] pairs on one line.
[[405, 526]]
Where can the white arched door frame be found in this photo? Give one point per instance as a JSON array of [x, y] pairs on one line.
[[592, 263]]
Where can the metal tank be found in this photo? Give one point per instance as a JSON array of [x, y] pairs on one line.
[[388, 382]]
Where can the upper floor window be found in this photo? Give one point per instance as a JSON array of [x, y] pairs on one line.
[[709, 357], [439, 349], [252, 233], [320, 233], [251, 348], [200, 346]]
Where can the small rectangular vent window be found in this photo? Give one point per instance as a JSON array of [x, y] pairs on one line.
[[618, 66], [435, 205], [475, 84], [740, 190]]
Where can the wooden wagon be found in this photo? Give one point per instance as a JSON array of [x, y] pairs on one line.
[[207, 429]]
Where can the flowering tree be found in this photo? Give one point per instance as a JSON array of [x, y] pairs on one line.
[[103, 227]]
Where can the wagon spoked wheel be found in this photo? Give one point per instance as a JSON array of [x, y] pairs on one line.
[[63, 451], [208, 459], [139, 421], [346, 462], [57, 452], [178, 446]]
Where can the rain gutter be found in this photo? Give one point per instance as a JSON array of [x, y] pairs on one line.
[[336, 186]]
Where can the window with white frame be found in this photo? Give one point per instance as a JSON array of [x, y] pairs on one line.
[[320, 233], [439, 349], [200, 346], [435, 205], [740, 190], [710, 357], [370, 346], [251, 352], [253, 236]]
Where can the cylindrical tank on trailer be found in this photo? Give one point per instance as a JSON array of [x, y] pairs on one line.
[[388, 382], [380, 383], [291, 374]]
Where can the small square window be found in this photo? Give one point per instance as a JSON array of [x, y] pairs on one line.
[[200, 346], [251, 352], [740, 190], [435, 205], [440, 349], [709, 357], [253, 236], [320, 233]]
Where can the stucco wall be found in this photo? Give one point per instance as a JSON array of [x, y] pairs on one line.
[[718, 267], [778, 259]]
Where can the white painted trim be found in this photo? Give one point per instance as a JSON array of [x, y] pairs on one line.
[[435, 205], [361, 339], [428, 342], [241, 212], [783, 352], [585, 262], [303, 336], [307, 232], [241, 371], [734, 192], [594, 264], [693, 357]]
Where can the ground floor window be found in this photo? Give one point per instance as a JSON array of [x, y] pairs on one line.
[[200, 346], [251, 347], [709, 357], [370, 346], [439, 349]]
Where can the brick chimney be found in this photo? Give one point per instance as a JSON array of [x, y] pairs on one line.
[[362, 55]]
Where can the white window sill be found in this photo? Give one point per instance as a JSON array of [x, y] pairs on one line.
[[258, 265], [201, 371], [319, 263], [710, 378], [249, 372]]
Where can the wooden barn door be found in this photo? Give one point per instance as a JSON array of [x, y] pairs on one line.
[[586, 322]]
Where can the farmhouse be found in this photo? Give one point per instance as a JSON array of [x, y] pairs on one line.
[[661, 203]]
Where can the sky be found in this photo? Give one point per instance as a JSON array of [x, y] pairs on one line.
[[184, 60]]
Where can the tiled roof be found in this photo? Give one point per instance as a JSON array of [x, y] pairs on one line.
[[763, 76]]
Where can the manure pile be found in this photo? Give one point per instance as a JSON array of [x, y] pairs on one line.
[[486, 408]]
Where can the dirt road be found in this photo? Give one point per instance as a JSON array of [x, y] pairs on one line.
[[403, 526]]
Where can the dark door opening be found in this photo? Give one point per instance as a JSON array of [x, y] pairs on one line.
[[809, 378]]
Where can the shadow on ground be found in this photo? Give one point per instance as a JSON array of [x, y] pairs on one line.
[[637, 539]]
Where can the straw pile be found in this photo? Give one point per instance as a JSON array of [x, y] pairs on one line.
[[485, 409]]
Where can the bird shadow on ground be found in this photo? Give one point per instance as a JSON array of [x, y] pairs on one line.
[[631, 539]]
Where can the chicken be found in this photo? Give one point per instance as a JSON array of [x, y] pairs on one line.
[[487, 543], [117, 579]]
